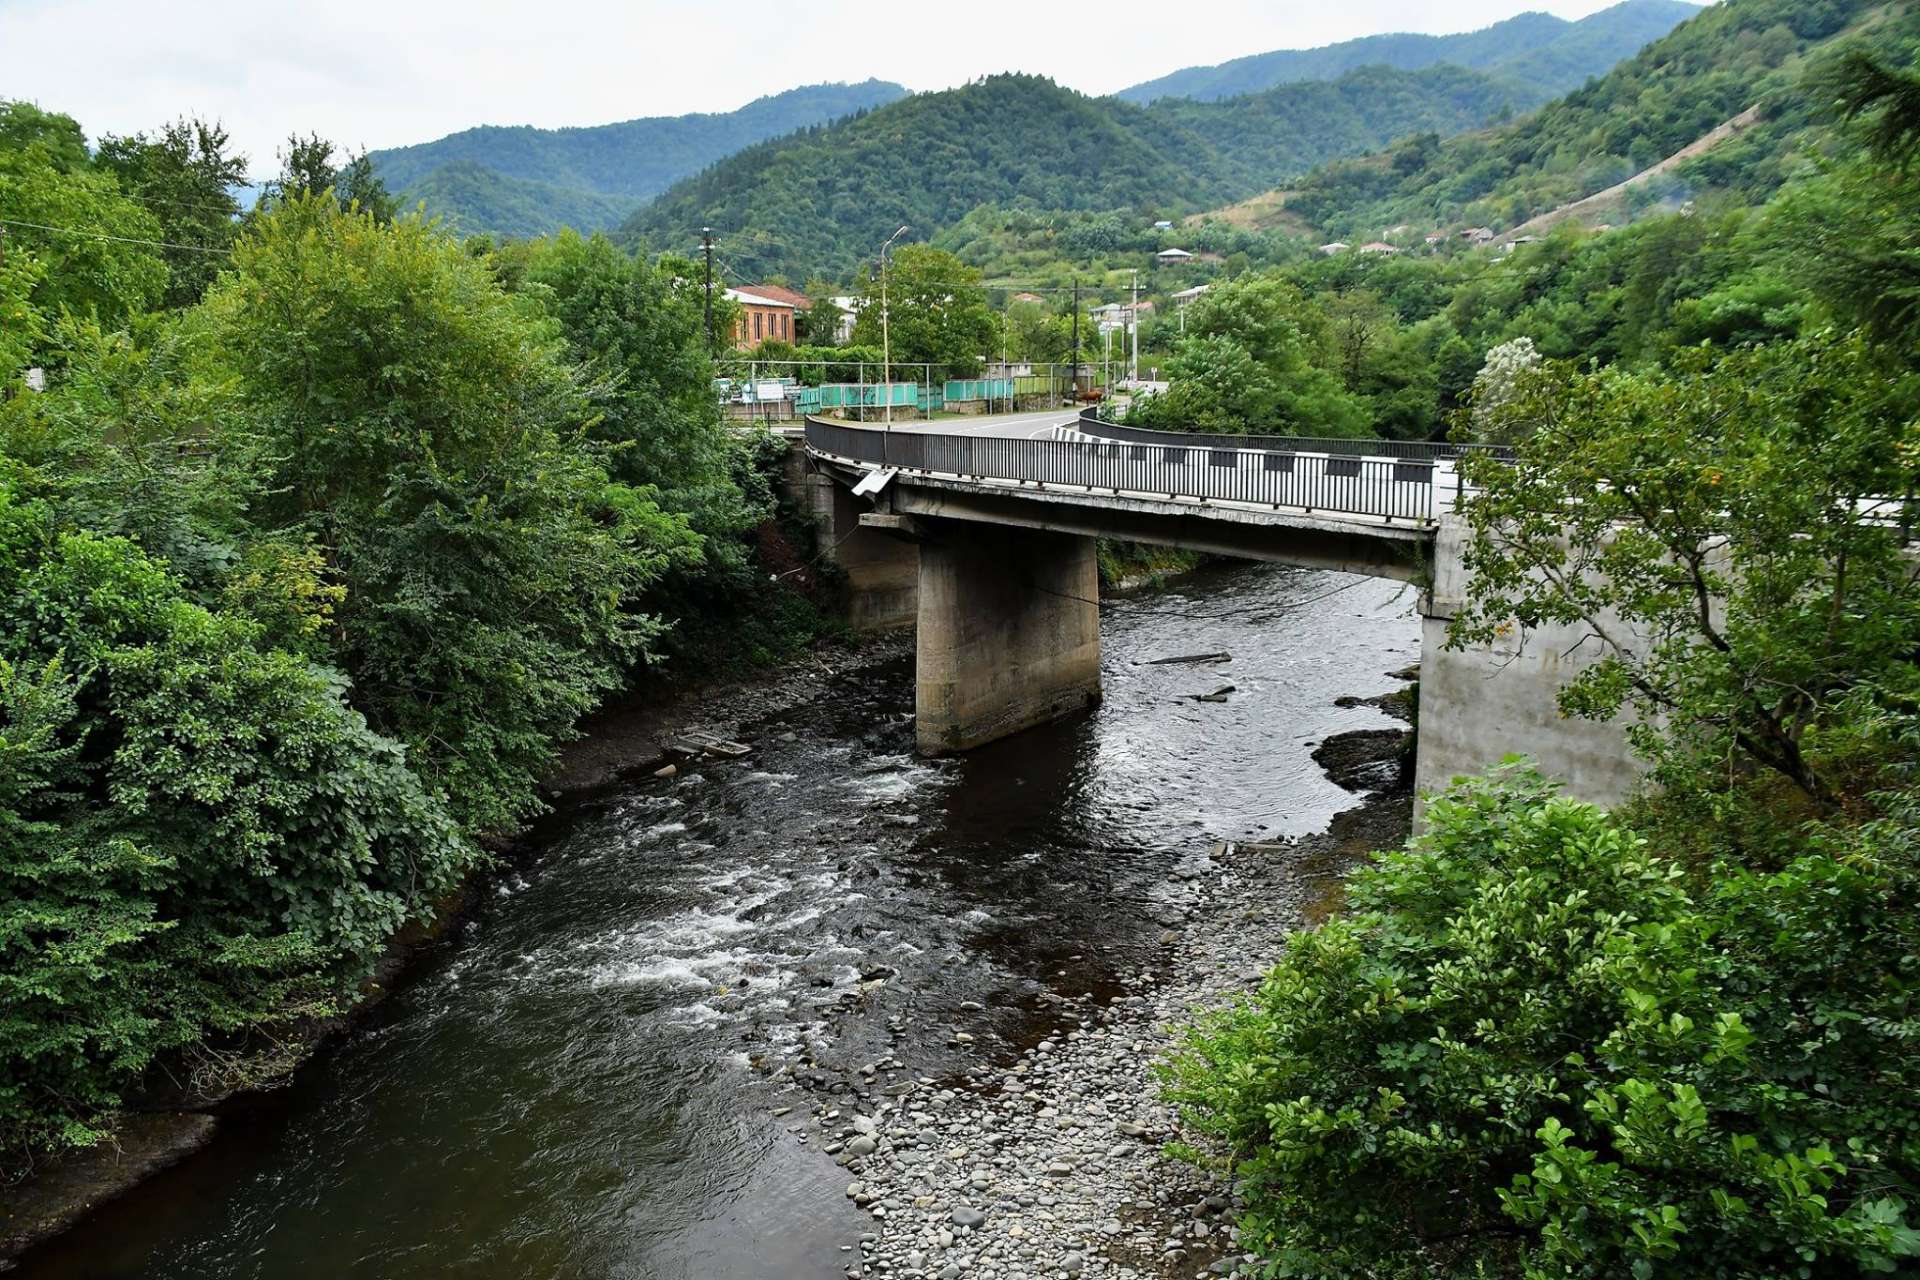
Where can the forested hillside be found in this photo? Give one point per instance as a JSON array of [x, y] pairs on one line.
[[477, 199], [1736, 55], [527, 181], [1545, 54], [821, 201]]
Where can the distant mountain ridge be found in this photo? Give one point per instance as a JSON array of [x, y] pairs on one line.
[[1548, 55], [823, 199], [525, 181]]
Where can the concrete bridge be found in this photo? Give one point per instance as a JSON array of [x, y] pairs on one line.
[[982, 537]]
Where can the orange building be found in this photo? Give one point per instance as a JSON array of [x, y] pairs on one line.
[[761, 317]]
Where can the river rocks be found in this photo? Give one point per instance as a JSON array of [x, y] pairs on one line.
[[1365, 759], [1051, 1165]]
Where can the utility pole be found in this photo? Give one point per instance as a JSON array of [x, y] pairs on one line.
[[1073, 375], [886, 343], [706, 243], [1133, 322]]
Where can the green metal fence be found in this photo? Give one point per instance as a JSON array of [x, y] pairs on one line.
[[862, 395], [979, 389]]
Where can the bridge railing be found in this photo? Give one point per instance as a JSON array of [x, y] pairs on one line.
[[1424, 450], [1388, 489]]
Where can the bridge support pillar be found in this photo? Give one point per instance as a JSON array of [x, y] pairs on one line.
[[881, 569], [1009, 632]]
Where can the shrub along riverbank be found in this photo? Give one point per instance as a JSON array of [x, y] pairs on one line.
[[307, 566], [1677, 1040]]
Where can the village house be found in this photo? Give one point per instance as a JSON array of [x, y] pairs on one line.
[[1377, 246], [761, 318], [1335, 246], [1172, 257]]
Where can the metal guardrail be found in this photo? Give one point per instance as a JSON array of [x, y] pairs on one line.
[[1425, 450], [1279, 479]]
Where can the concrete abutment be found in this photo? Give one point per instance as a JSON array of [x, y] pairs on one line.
[[883, 571], [1481, 703]]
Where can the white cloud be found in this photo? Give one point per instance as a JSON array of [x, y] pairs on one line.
[[381, 73]]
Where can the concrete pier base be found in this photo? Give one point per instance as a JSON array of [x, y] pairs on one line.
[[1009, 632]]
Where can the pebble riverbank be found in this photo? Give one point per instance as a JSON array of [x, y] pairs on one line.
[[1054, 1165]]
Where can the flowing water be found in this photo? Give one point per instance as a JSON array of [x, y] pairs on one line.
[[578, 1083]]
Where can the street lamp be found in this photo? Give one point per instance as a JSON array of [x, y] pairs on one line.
[[886, 346]]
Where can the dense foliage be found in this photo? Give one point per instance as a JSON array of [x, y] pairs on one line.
[[1547, 54], [313, 549], [1730, 536], [527, 181], [1535, 1045]]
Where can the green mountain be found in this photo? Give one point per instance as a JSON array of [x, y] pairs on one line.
[[1738, 71], [1549, 55], [476, 198], [523, 181], [824, 199]]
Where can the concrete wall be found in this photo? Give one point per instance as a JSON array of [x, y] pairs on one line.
[[1479, 704], [882, 571], [1009, 632]]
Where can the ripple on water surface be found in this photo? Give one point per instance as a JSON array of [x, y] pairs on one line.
[[569, 1088]]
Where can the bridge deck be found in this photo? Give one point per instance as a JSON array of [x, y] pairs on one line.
[[1364, 489], [1359, 515]]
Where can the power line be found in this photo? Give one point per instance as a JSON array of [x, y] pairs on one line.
[[232, 211], [101, 235]]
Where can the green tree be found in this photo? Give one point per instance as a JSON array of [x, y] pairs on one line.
[[429, 436], [937, 311], [184, 175], [1533, 1046], [1262, 356], [641, 339], [22, 325], [96, 249], [308, 165], [60, 138], [198, 837], [1730, 534]]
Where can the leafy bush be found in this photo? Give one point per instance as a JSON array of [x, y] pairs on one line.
[[198, 837], [1534, 1046], [429, 435]]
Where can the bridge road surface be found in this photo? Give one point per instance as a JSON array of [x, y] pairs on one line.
[[1013, 426]]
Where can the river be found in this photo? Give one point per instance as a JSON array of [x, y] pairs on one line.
[[586, 1079]]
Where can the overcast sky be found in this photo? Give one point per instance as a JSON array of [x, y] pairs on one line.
[[381, 73]]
